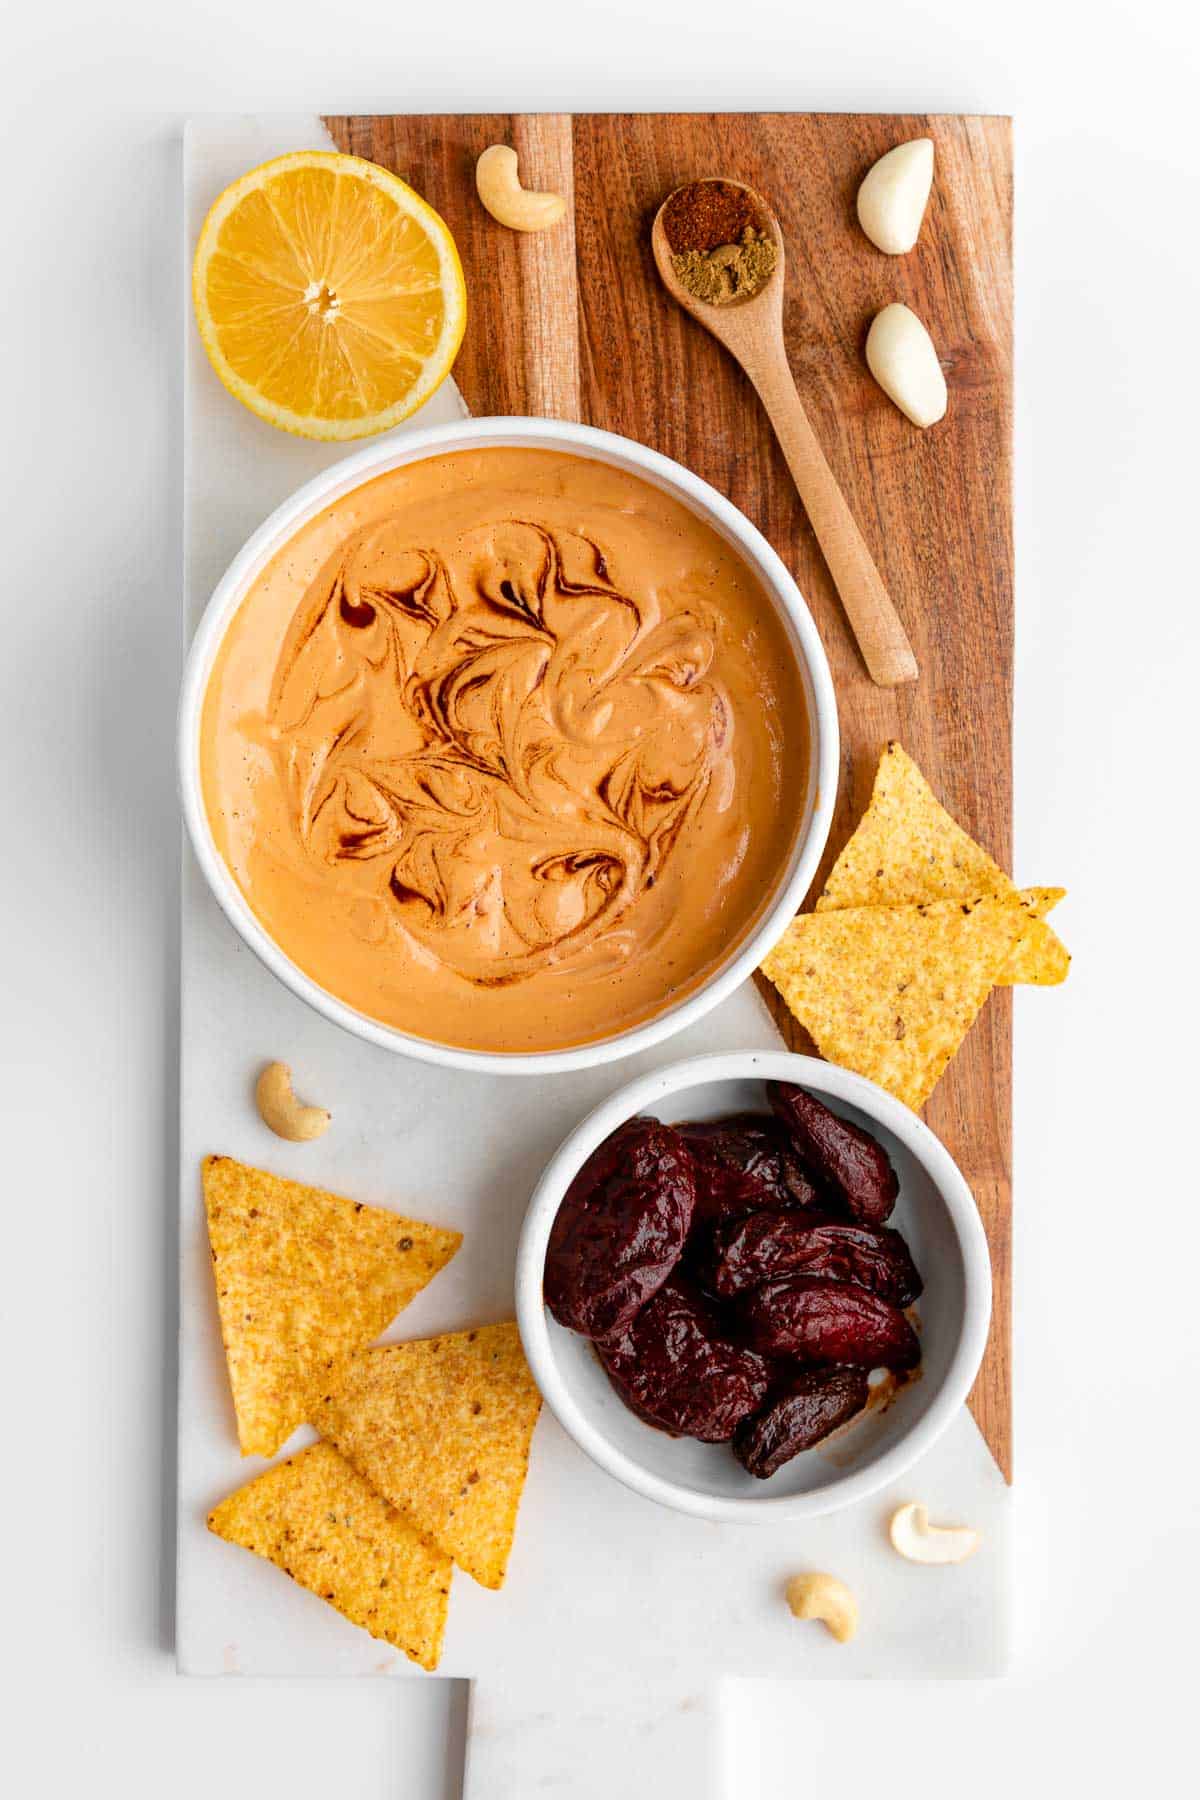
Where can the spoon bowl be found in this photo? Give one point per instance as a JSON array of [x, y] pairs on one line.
[[768, 301], [751, 328]]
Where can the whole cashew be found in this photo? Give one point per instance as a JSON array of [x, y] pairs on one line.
[[913, 1536], [499, 185], [282, 1112], [826, 1598]]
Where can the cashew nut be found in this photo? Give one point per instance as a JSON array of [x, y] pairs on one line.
[[901, 357], [281, 1110], [826, 1598], [499, 185], [913, 1536], [894, 194]]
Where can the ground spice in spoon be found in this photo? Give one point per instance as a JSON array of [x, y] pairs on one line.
[[720, 248]]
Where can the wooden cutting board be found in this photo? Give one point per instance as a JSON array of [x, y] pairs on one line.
[[574, 324]]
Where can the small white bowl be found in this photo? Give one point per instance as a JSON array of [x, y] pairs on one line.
[[598, 446], [937, 1215]]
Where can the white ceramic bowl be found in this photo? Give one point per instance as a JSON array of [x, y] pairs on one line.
[[659, 471], [937, 1215]]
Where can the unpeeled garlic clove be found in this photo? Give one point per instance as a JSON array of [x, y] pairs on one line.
[[901, 357], [914, 1537], [894, 194]]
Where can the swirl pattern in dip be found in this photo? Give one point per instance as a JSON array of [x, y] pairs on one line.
[[505, 749]]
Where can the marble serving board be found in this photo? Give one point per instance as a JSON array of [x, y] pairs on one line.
[[608, 1596]]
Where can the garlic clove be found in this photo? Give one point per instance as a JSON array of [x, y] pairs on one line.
[[901, 357], [914, 1537], [894, 194]]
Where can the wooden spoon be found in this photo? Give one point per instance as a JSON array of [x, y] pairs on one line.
[[752, 331]]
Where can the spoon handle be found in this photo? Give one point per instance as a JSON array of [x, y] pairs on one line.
[[873, 619]]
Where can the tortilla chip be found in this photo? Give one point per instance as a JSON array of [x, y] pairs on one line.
[[442, 1428], [891, 991], [1041, 959], [303, 1277], [323, 1525], [907, 850]]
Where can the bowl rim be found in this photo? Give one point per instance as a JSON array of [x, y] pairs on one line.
[[836, 1084], [393, 452]]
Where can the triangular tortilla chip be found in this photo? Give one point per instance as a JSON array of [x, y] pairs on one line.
[[907, 850], [303, 1278], [442, 1428], [323, 1525], [891, 991], [1041, 959]]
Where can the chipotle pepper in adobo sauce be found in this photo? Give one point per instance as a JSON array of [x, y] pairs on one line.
[[743, 1163], [855, 1167], [829, 1322], [814, 1403], [620, 1229], [676, 1368], [744, 1253]]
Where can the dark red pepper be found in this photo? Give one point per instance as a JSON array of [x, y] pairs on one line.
[[743, 1253], [839, 1153], [743, 1163], [620, 1229], [829, 1322], [814, 1403], [676, 1368]]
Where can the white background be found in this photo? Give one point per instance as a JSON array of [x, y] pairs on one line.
[[1107, 1176]]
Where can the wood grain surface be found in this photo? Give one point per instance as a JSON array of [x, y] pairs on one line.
[[584, 328]]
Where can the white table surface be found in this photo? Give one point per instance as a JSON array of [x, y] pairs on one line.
[[1106, 1514]]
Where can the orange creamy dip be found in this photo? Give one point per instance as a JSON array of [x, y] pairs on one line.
[[505, 749]]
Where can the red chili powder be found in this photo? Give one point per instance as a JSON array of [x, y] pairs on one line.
[[707, 213]]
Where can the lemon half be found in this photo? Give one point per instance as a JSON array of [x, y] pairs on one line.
[[329, 295]]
